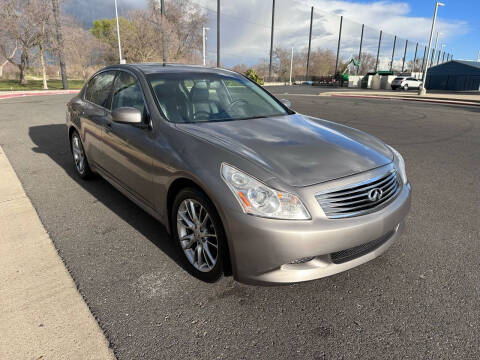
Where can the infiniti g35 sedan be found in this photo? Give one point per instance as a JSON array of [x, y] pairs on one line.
[[244, 184]]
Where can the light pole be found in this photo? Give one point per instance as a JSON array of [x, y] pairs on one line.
[[422, 90], [204, 37], [122, 61]]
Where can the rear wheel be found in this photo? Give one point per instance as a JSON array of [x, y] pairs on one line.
[[198, 233], [79, 158]]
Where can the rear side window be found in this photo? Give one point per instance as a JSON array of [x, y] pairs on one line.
[[398, 78], [98, 89], [127, 92]]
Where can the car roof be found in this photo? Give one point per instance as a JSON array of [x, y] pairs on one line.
[[158, 68]]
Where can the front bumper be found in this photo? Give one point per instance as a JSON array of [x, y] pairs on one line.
[[262, 250]]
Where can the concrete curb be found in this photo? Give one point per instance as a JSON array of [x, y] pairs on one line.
[[42, 315], [407, 98], [8, 95]]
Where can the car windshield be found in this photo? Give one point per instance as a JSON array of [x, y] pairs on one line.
[[204, 97]]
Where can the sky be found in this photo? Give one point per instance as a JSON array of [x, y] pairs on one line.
[[245, 26]]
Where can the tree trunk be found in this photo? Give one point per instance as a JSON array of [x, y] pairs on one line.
[[1, 68], [23, 68], [44, 72], [61, 53]]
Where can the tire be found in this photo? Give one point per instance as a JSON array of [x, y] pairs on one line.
[[202, 256], [80, 162], [405, 87]]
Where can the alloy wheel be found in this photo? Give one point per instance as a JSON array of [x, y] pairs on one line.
[[78, 154], [197, 235]]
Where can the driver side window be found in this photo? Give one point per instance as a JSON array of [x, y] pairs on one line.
[[127, 92]]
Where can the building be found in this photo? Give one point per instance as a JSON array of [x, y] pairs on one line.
[[458, 75]]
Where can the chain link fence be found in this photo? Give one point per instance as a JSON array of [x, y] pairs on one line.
[[280, 37]]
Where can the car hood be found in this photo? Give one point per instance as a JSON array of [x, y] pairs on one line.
[[297, 149]]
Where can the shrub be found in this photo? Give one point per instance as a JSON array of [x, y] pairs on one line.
[[252, 75]]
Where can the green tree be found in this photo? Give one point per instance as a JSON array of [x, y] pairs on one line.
[[105, 30], [252, 75]]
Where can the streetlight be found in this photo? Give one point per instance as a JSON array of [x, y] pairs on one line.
[[422, 90], [204, 37], [122, 61]]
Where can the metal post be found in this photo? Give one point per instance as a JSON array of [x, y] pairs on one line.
[[360, 50], [271, 40], [421, 90], [443, 57], [393, 51], [415, 58], [162, 14], [291, 68], [378, 51], [309, 45], [218, 33], [432, 57], [439, 53], [423, 59], [404, 55], [338, 46], [204, 38], [118, 35]]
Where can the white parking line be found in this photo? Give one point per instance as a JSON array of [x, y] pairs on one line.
[[42, 315]]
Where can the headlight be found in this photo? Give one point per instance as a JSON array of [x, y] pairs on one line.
[[258, 199], [400, 163]]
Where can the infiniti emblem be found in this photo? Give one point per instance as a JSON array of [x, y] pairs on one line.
[[375, 194]]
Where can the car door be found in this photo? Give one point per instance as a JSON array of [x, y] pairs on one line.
[[128, 149], [94, 114], [412, 83]]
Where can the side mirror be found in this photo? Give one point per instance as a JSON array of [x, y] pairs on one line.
[[127, 115], [286, 102]]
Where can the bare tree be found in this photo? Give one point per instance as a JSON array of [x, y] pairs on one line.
[[8, 49], [141, 29], [19, 26], [79, 58], [42, 11]]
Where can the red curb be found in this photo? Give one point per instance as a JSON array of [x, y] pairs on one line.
[[451, 102], [7, 96]]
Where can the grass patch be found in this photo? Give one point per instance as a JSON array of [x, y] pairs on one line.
[[7, 85]]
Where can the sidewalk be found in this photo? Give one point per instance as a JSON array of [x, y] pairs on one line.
[[19, 93], [42, 315], [468, 98]]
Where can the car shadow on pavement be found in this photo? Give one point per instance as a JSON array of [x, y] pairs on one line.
[[52, 140]]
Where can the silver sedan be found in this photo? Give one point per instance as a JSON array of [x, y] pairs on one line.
[[244, 184]]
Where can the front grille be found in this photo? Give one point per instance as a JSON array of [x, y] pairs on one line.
[[340, 257], [361, 198]]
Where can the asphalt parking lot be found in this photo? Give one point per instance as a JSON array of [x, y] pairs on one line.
[[420, 300]]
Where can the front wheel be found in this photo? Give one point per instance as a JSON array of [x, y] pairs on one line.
[[198, 233], [405, 87]]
